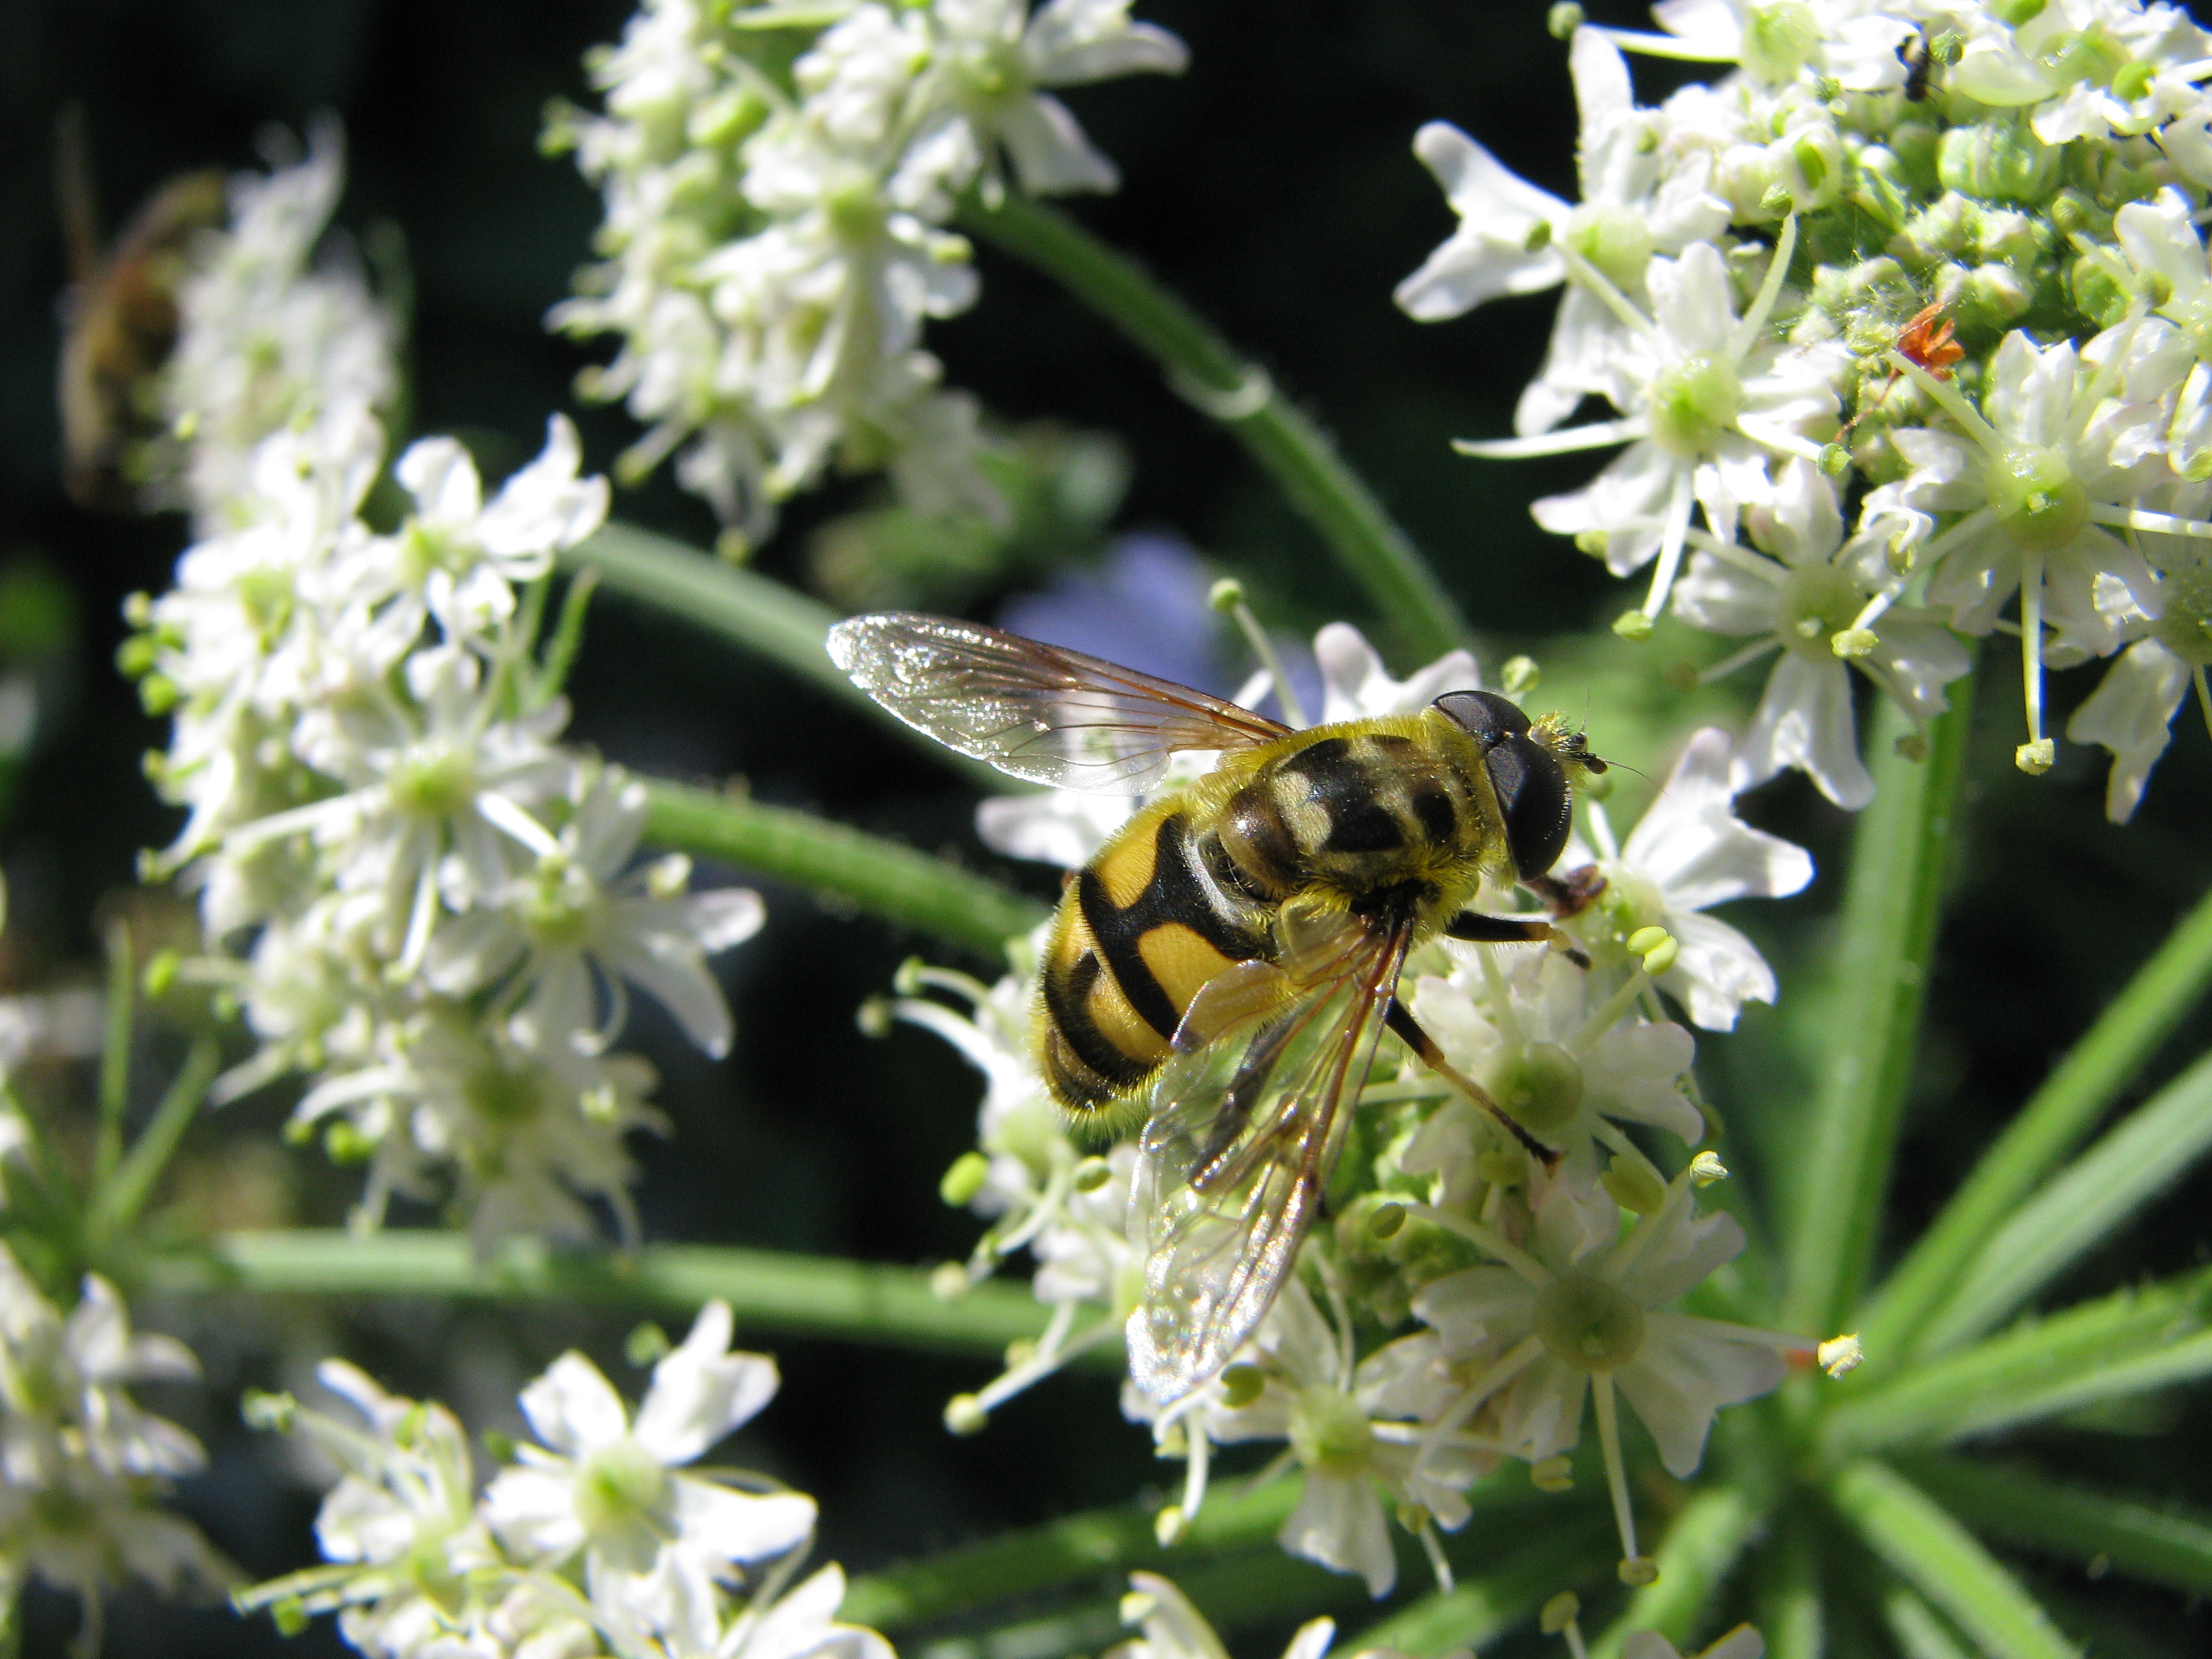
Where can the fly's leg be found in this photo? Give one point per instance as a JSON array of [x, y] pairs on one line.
[[1423, 1044], [1477, 928]]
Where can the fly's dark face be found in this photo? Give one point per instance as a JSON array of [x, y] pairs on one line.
[[1525, 770]]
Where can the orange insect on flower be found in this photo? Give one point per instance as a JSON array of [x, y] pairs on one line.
[[1927, 341]]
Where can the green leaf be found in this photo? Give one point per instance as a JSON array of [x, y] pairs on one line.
[[768, 1290], [2161, 1543], [2054, 1120], [754, 612], [2124, 1342], [2143, 1156], [882, 877], [1102, 1542], [1702, 1546], [1790, 1615], [1889, 922], [1214, 378], [1941, 1559], [1921, 1631]]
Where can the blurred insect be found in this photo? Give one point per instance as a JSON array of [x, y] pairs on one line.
[[1229, 961], [1919, 56], [120, 321]]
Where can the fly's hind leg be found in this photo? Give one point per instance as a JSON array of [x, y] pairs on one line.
[[1423, 1044], [1477, 928]]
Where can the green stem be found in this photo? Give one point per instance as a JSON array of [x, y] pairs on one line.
[[1215, 377], [883, 878], [1878, 986], [2159, 1544], [1790, 1614], [754, 612], [768, 1290], [1101, 1542], [2072, 1100], [126, 1191], [1941, 1559], [114, 1057], [1554, 1553], [1703, 1544]]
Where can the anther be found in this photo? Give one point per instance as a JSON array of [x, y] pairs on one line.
[[1561, 1611], [964, 1415], [1638, 1570], [2036, 758], [1633, 625], [1552, 1474], [1706, 1168], [1841, 1355]]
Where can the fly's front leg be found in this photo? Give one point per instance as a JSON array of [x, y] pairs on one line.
[[1570, 894], [1424, 1045], [1475, 926]]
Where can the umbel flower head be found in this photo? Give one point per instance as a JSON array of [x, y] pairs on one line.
[[1957, 304], [775, 233]]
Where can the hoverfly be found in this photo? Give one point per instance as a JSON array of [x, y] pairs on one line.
[[1230, 960]]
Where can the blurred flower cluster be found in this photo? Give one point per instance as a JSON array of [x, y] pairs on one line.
[[777, 197], [602, 1538], [1901, 322], [1490, 1295], [81, 1464], [430, 894]]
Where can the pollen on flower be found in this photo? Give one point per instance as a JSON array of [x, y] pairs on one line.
[[1840, 1355]]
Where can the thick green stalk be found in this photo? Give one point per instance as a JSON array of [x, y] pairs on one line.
[[1790, 1615], [2022, 1507], [1702, 1546], [756, 613], [768, 1289], [883, 878], [2056, 1120], [1942, 1560], [1102, 1542], [1877, 987], [1219, 382]]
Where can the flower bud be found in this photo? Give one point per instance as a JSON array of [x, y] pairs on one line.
[[1633, 625], [1561, 1611], [1093, 1174], [1997, 161], [1633, 1186], [1563, 19], [964, 1415], [1519, 677], [1241, 1384]]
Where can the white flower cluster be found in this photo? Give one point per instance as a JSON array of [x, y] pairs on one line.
[[1932, 264], [431, 891], [777, 193], [275, 323], [601, 1539], [81, 1464], [1507, 1294]]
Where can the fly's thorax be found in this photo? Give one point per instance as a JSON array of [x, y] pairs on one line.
[[1394, 804]]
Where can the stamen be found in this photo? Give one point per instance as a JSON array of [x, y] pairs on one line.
[[1762, 306], [503, 813], [1435, 1551], [1616, 1472], [1953, 401], [2036, 755], [1601, 285], [1670, 548], [2204, 699], [1735, 659], [1490, 1239], [1761, 430], [2137, 517], [1607, 1013], [1228, 596], [1663, 46], [1743, 558], [1596, 435]]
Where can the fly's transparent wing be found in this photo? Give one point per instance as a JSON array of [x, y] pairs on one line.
[[1243, 1133], [1038, 712]]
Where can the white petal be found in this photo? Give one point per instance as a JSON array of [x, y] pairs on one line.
[[1339, 1522], [1488, 254], [1691, 844], [573, 1407], [737, 1526], [701, 1392], [1805, 720], [725, 916], [2131, 712], [1718, 971], [1681, 1377], [1051, 154]]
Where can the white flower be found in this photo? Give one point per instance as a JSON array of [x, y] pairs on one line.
[[1580, 1312], [573, 924], [801, 1623], [2131, 711], [1356, 686], [1801, 606], [608, 1487], [1687, 854], [1708, 399], [1521, 1025], [1853, 42], [268, 337]]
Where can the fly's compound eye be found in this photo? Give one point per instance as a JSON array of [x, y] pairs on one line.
[[1489, 719], [1533, 799]]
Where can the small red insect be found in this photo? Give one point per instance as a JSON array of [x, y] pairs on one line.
[[1927, 341]]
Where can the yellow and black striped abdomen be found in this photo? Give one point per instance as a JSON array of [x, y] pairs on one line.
[[1138, 933]]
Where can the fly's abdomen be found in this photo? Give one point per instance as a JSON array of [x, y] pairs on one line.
[[1138, 933]]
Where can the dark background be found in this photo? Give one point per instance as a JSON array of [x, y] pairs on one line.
[[1273, 186]]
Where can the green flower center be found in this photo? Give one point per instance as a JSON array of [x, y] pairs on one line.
[[991, 75], [1329, 1431], [2037, 500], [1778, 39], [1617, 240], [504, 1094], [558, 911], [856, 210], [432, 784], [618, 1486], [2186, 628], [1542, 1087], [266, 596], [1588, 1324], [1818, 603], [1693, 404], [1633, 899]]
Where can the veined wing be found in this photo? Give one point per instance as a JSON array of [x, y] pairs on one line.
[[1246, 1126], [1036, 711]]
